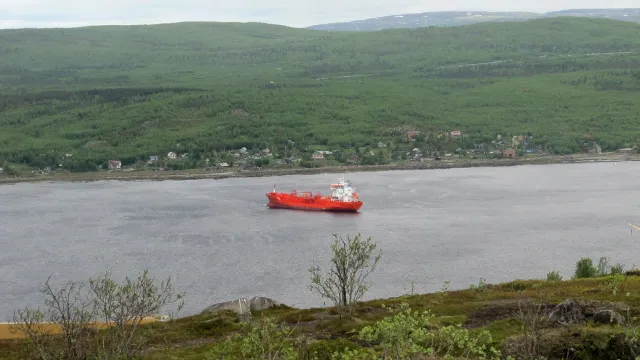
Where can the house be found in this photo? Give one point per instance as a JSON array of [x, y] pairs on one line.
[[266, 151], [153, 158], [172, 155], [481, 146], [224, 164], [510, 153], [354, 159], [517, 140], [411, 135], [455, 133], [626, 150], [318, 155], [381, 144], [115, 164]]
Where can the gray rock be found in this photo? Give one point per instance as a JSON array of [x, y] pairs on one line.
[[243, 305], [590, 307], [567, 312], [608, 317]]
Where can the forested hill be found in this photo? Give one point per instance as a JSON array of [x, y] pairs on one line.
[[129, 92]]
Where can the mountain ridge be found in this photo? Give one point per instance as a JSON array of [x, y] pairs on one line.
[[459, 18]]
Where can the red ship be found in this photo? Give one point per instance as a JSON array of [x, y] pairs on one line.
[[343, 199]]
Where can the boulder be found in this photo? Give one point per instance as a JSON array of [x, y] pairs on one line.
[[243, 305], [590, 307], [567, 312], [608, 317]]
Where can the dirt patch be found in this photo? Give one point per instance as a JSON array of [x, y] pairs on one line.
[[497, 310], [5, 332]]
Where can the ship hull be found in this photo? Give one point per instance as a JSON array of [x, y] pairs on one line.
[[308, 203]]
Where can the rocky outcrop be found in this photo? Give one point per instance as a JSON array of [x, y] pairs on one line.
[[243, 305], [567, 312], [576, 312], [608, 317]]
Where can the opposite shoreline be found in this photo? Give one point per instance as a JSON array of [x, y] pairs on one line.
[[207, 174]]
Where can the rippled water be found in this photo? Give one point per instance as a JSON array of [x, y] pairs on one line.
[[218, 241]]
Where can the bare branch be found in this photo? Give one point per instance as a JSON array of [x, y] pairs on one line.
[[345, 282], [76, 308]]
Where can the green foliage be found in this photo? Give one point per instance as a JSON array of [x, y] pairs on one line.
[[615, 282], [554, 276], [406, 335], [345, 282], [9, 170], [98, 319], [263, 340], [262, 162], [316, 334], [324, 349], [401, 335], [617, 269], [130, 92], [480, 287], [585, 269]]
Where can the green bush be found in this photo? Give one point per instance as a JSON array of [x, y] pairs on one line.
[[405, 335], [585, 269], [617, 269], [554, 276]]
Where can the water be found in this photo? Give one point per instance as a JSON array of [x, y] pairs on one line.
[[218, 241]]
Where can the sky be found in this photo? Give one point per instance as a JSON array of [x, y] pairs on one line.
[[295, 13]]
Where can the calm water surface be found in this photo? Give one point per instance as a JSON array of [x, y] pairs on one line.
[[218, 241]]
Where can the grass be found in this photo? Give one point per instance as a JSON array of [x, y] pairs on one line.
[[493, 309]]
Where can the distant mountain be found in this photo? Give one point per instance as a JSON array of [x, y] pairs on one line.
[[457, 18]]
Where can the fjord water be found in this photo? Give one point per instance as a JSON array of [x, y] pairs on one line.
[[219, 242]]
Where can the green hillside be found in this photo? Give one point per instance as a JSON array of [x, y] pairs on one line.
[[129, 92]]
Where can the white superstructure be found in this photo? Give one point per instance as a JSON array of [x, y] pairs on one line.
[[342, 191]]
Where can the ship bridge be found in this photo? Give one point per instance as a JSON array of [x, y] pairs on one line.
[[342, 191]]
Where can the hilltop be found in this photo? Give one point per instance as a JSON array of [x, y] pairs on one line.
[[71, 99], [581, 319], [458, 18]]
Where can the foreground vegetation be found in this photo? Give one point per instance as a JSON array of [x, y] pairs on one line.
[[591, 316], [72, 99]]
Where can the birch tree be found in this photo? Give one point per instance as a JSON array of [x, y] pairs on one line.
[[345, 282]]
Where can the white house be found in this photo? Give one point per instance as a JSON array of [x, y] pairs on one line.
[[115, 164]]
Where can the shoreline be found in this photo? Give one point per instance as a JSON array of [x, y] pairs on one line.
[[198, 174]]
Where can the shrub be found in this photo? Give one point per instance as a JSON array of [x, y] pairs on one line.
[[585, 269], [406, 335], [263, 339], [617, 269], [79, 309], [346, 281], [554, 276]]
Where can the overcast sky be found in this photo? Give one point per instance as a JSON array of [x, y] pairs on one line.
[[296, 13]]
